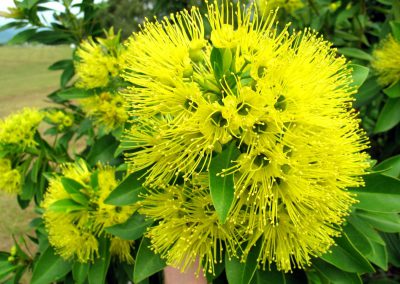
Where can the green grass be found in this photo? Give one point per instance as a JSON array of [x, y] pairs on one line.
[[25, 81], [24, 76]]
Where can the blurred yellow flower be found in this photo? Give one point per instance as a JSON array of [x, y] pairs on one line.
[[106, 109], [18, 129], [75, 219], [100, 61], [387, 61], [10, 179]]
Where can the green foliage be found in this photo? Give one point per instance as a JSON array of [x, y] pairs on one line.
[[369, 244]]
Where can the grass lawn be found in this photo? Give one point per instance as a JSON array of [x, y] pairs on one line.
[[25, 81], [24, 77]]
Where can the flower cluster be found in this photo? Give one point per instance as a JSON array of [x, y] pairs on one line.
[[99, 61], [19, 129], [60, 119], [75, 214], [387, 61], [99, 69], [284, 101], [105, 110], [10, 179]]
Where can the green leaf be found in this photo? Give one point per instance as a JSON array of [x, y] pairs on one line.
[[127, 192], [239, 272], [268, 277], [67, 75], [362, 226], [216, 60], [392, 242], [360, 74], [395, 29], [355, 53], [132, 229], [379, 255], [22, 37], [74, 93], [98, 270], [389, 167], [389, 116], [335, 275], [380, 194], [6, 268], [80, 272], [367, 92], [360, 241], [71, 186], [346, 257], [393, 91], [385, 222], [61, 64], [221, 185], [50, 268], [102, 151], [147, 262], [66, 205]]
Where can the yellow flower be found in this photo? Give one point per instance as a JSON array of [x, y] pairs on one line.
[[188, 227], [100, 61], [19, 129], [61, 119], [106, 110], [290, 6], [387, 61], [10, 179], [283, 100], [75, 220]]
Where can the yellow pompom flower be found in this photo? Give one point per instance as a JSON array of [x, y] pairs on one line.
[[387, 61], [75, 219], [106, 110], [100, 61], [285, 101], [290, 6], [19, 129], [61, 119], [188, 227], [10, 179]]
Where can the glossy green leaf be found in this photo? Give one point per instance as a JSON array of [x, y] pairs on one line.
[[395, 25], [239, 272], [61, 64], [74, 93], [22, 36], [50, 268], [346, 257], [360, 74], [379, 255], [360, 241], [367, 92], [393, 91], [392, 242], [102, 151], [389, 167], [380, 194], [80, 272], [335, 275], [71, 186], [365, 228], [128, 191], [385, 222], [66, 205], [147, 262], [389, 116], [268, 277], [355, 53], [132, 229], [98, 270], [221, 185]]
